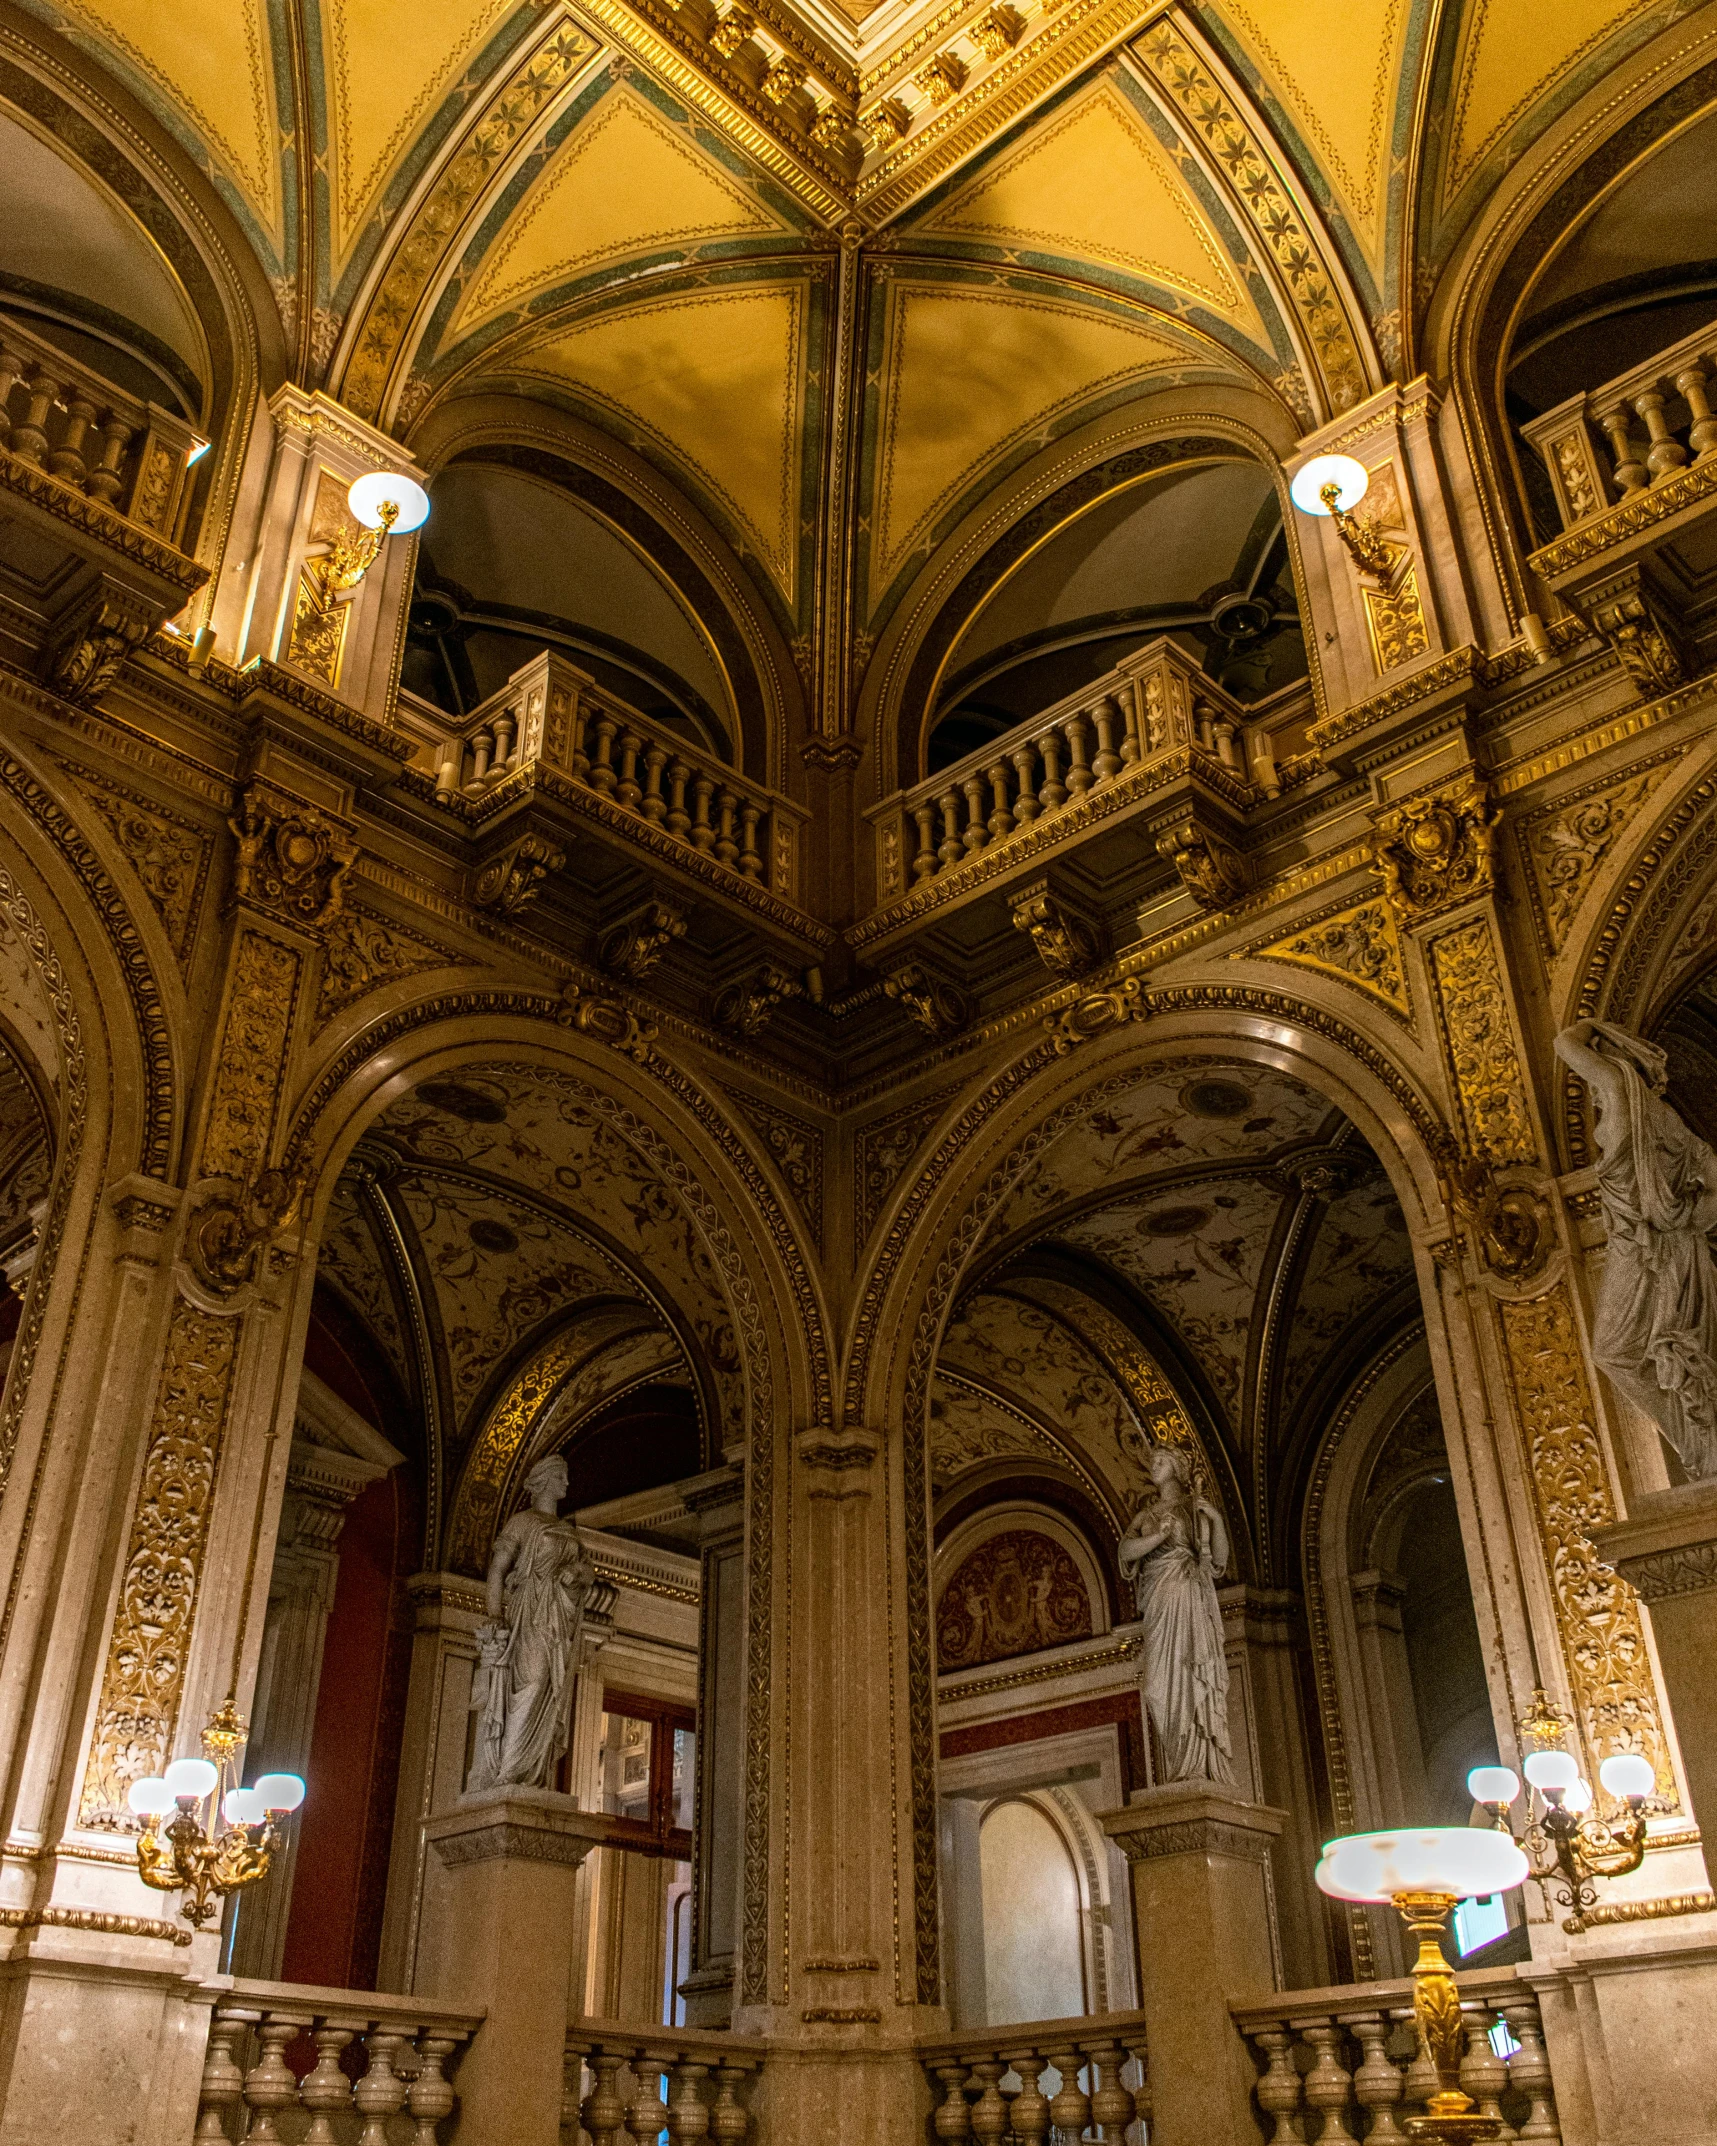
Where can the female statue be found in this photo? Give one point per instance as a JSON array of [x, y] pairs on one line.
[[1176, 1549], [1656, 1329], [539, 1582]]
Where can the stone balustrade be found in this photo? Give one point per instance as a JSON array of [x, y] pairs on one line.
[[1655, 422], [1340, 2065], [1077, 2078], [368, 2070], [61, 417], [553, 714], [1152, 713], [615, 2076]]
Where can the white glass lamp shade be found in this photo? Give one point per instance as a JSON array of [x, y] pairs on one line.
[[191, 1777], [280, 1791], [368, 495], [1579, 1797], [1464, 1861], [1552, 1773], [1626, 1775], [1493, 1784], [151, 1798], [1348, 476], [243, 1807]]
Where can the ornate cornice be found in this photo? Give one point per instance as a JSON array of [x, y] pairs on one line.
[[1639, 511], [23, 480]]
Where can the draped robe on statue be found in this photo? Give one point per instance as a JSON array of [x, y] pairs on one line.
[[525, 1722], [1172, 1555]]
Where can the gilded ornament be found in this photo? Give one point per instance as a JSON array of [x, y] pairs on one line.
[[1395, 619], [169, 855], [1095, 1014], [511, 881], [1511, 1224], [747, 1007], [91, 647], [941, 77], [1566, 843], [997, 31], [730, 31], [225, 1233], [1434, 851], [884, 124], [1213, 871], [632, 950], [785, 80], [795, 1147], [938, 1008], [251, 1062], [1638, 625], [290, 858], [1478, 1038], [1065, 942], [360, 954], [1362, 945], [605, 1020], [881, 1152]]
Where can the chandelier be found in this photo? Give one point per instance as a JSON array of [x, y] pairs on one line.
[[185, 1848]]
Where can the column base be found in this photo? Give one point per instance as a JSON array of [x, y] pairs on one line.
[[1204, 1905]]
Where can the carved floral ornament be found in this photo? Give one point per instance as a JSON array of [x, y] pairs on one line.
[[291, 858], [1431, 852]]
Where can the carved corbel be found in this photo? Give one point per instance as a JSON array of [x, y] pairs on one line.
[[94, 638], [634, 948], [748, 1006], [291, 858], [937, 1007], [1432, 852], [1633, 617], [511, 881], [1066, 943], [1212, 871]]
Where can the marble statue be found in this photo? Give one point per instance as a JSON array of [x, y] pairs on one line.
[[539, 1582], [1175, 1550], [1656, 1328]]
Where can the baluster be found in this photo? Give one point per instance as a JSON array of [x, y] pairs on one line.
[[505, 732], [1529, 2072], [482, 745], [951, 848], [1138, 2055], [679, 819], [604, 2111], [989, 2111], [104, 480], [1377, 2082], [1328, 2087], [1484, 2075], [573, 2112], [1030, 2108], [728, 2122], [1223, 733], [924, 864], [1421, 2080], [1026, 806], [271, 2083], [601, 776], [750, 862], [726, 848], [645, 2116], [580, 735], [1070, 2111], [67, 461], [11, 372], [223, 2081], [447, 774], [655, 805], [1665, 453], [381, 2090], [1052, 790], [1078, 773], [1106, 761], [1278, 2091], [326, 2086], [626, 790], [430, 2096], [953, 2116], [1130, 726], [1690, 382], [30, 438], [703, 832], [1631, 473], [1112, 2103], [1001, 819], [977, 826], [688, 2118]]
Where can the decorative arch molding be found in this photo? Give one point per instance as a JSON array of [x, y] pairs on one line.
[[922, 617], [747, 636]]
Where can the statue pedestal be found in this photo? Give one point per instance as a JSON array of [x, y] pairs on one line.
[[500, 1934], [1205, 1911], [1667, 1550]]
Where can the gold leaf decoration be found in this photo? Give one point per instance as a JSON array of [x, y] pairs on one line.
[[1361, 945]]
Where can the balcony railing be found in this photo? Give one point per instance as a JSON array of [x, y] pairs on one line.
[[1668, 396], [61, 417], [552, 714], [1090, 754], [1349, 2059], [1080, 2078], [279, 2046], [615, 2076]]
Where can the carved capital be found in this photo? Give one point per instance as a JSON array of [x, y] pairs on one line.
[[94, 637], [838, 1464], [634, 948], [938, 1008], [747, 1007], [1431, 852], [1213, 871], [1066, 943], [291, 858], [511, 880], [1632, 615]]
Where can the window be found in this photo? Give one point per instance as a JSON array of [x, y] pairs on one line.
[[648, 1774], [1480, 1922]]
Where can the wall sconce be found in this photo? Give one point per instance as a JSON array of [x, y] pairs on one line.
[[1423, 1875], [1563, 1837], [1332, 485], [383, 504], [183, 1851]]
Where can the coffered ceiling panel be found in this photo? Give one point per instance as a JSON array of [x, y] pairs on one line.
[[969, 374], [388, 67], [713, 378], [1094, 183], [625, 182]]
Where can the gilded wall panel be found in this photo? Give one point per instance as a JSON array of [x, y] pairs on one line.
[[1478, 1040], [252, 1061]]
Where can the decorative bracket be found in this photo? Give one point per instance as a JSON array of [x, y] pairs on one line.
[[511, 881], [634, 948], [937, 1007], [1212, 870], [747, 1007], [1066, 943]]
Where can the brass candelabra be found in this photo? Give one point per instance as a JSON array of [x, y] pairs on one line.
[[185, 1848]]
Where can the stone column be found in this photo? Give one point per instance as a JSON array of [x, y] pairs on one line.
[[708, 1989], [499, 1933], [1205, 1910]]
